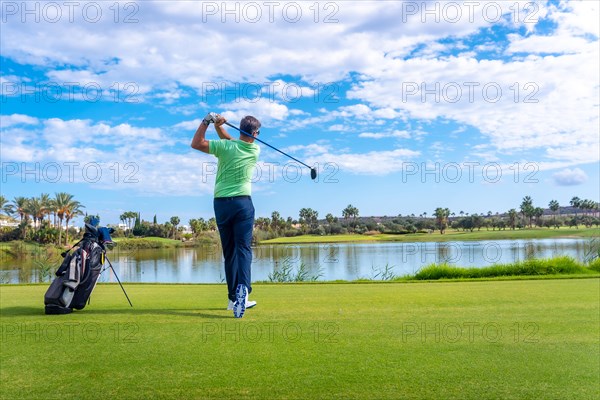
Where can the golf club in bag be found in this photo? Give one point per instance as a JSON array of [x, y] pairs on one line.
[[78, 274], [313, 171]]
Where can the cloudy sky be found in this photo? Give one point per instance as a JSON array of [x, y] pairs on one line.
[[402, 106]]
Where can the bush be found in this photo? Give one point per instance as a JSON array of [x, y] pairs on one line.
[[9, 234], [291, 232], [558, 265]]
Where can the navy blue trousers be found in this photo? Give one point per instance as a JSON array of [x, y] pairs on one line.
[[235, 219]]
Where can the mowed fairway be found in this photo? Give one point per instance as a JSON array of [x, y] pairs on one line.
[[535, 339]]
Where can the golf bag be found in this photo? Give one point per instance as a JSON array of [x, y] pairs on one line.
[[77, 275]]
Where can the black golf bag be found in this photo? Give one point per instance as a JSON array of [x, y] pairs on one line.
[[77, 275]]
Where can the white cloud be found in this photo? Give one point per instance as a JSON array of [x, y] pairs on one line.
[[109, 157], [267, 110], [381, 135], [188, 125], [564, 44], [370, 163], [338, 128], [570, 177], [556, 106], [16, 119]]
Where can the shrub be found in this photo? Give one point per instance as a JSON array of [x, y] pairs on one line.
[[558, 265]]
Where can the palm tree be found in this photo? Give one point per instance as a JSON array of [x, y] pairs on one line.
[[575, 203], [72, 210], [512, 218], [527, 208], [329, 218], [175, 221], [19, 204], [441, 215], [350, 211], [212, 224], [587, 205], [5, 206], [554, 207], [129, 217], [538, 212], [62, 201], [34, 207], [46, 203], [276, 220]]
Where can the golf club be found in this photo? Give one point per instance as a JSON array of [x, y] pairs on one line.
[[313, 171]]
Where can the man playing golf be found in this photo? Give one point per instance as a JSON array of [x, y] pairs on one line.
[[234, 210]]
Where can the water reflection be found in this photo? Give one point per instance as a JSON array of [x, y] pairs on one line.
[[348, 261]]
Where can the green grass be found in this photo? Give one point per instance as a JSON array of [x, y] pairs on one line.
[[535, 339], [554, 266], [450, 235], [146, 243]]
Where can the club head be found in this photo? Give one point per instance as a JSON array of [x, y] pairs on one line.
[[313, 174]]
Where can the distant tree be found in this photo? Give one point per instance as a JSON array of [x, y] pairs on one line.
[[441, 218], [512, 218], [575, 203], [527, 209], [72, 210], [350, 212], [212, 224], [174, 222], [5, 206], [554, 207], [330, 218], [538, 212], [276, 220], [309, 217]]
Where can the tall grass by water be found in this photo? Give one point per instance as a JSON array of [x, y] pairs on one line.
[[533, 267]]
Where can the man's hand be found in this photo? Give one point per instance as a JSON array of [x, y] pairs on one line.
[[210, 117], [220, 121], [220, 129]]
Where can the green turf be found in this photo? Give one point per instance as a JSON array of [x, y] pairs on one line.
[[444, 340], [450, 235]]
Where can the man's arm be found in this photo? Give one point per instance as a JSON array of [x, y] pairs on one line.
[[220, 130], [199, 142]]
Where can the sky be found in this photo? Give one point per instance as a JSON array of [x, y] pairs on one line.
[[402, 106]]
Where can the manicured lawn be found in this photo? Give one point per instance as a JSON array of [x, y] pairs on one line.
[[525, 339], [450, 235]]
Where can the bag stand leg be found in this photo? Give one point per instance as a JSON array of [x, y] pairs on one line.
[[118, 280]]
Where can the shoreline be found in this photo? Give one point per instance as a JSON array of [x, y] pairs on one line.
[[565, 233]]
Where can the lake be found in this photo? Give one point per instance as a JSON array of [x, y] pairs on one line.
[[343, 261]]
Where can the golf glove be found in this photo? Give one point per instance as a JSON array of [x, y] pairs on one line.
[[210, 117]]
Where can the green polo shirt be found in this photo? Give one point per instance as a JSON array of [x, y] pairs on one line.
[[236, 166]]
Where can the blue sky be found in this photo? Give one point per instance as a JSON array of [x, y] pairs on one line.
[[403, 106]]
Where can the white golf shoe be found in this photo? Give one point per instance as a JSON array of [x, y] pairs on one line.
[[249, 304]]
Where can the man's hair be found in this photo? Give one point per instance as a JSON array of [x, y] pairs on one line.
[[249, 124]]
